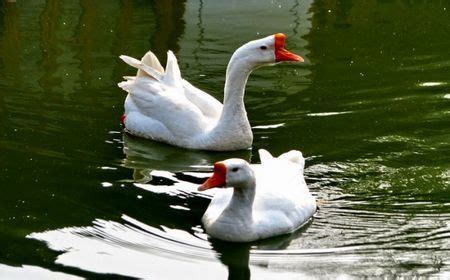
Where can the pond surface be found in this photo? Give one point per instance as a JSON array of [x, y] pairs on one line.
[[370, 109]]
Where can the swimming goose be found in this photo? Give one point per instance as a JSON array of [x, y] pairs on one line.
[[260, 200], [162, 106]]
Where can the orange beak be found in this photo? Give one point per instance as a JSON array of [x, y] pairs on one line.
[[218, 179], [281, 54]]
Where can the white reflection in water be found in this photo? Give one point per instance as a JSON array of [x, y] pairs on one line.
[[431, 84], [270, 126], [138, 250], [326, 114], [177, 187], [132, 249]]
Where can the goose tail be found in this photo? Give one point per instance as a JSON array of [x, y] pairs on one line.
[[143, 68], [152, 61], [295, 157], [264, 155], [172, 76]]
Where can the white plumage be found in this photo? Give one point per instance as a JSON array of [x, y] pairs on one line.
[[261, 201], [162, 106]]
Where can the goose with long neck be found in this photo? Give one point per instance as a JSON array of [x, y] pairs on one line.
[[162, 106], [260, 200]]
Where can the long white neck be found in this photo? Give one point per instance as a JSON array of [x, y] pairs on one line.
[[240, 206], [233, 120], [237, 74]]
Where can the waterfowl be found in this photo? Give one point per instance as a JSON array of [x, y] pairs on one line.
[[260, 200], [162, 106]]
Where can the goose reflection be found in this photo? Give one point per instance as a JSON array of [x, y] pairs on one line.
[[144, 157]]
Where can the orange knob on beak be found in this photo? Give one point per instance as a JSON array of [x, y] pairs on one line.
[[281, 54], [218, 179]]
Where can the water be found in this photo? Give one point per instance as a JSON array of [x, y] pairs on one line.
[[370, 109]]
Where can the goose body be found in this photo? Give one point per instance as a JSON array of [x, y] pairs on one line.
[[162, 106], [260, 200]]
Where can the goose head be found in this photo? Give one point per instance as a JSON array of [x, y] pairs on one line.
[[268, 50], [234, 172]]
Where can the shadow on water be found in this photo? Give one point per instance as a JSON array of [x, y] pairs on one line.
[[238, 257]]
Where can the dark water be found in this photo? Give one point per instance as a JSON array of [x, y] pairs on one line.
[[370, 109]]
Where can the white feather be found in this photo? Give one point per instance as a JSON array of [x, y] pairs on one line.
[[273, 200]]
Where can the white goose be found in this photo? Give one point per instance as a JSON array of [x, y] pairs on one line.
[[262, 200], [162, 106]]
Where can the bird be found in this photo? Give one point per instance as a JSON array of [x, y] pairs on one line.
[[258, 200], [162, 106]]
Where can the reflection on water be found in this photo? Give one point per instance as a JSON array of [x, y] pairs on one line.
[[141, 153], [134, 249]]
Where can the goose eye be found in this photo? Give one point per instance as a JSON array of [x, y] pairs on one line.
[[235, 169], [263, 47]]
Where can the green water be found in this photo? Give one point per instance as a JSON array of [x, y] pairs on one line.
[[370, 109]]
